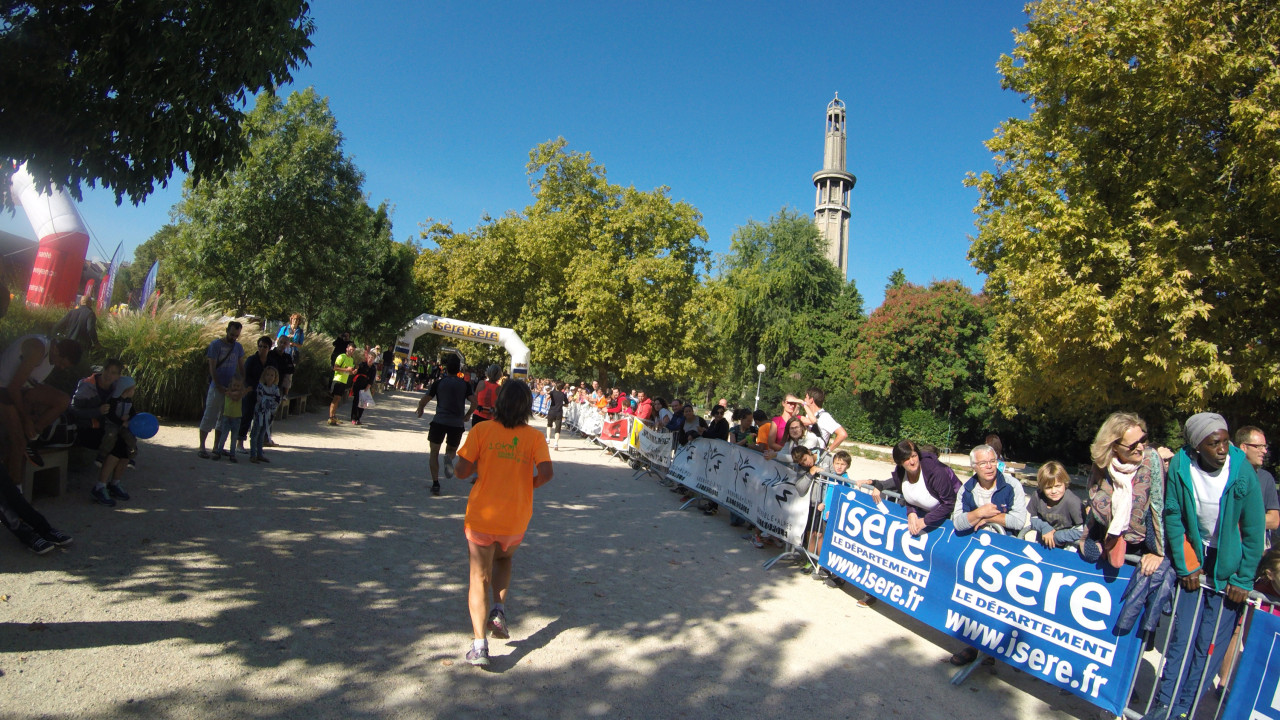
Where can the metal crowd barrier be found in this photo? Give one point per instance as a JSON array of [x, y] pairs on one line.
[[1257, 602]]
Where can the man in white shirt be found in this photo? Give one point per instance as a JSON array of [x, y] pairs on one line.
[[821, 422]]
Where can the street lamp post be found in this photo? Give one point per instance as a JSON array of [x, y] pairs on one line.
[[759, 369]]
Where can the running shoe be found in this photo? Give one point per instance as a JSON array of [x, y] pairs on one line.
[[102, 497], [57, 537], [448, 469], [498, 624], [479, 658], [117, 492], [435, 488], [39, 545]]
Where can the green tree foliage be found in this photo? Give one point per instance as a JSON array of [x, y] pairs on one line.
[[923, 349], [119, 94], [897, 279], [594, 276], [784, 305], [1129, 230], [379, 297], [289, 230]]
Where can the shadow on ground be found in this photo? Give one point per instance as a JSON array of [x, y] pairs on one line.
[[336, 584]]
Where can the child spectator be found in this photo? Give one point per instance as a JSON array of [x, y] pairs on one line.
[[840, 463], [763, 431], [1057, 514], [268, 401], [115, 423], [229, 423]]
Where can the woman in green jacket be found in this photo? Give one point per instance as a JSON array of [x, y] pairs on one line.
[[1214, 519]]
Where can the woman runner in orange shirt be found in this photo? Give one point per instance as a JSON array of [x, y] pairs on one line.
[[505, 453]]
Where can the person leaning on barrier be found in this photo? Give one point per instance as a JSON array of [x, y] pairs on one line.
[[1215, 522], [989, 501], [719, 428], [1126, 495], [928, 487]]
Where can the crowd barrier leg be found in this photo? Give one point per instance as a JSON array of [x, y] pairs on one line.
[[959, 676]]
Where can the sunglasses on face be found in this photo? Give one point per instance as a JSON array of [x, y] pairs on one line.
[[1133, 445]]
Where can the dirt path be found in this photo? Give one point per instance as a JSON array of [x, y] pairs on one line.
[[331, 584]]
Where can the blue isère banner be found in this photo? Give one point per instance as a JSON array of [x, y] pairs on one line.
[[1045, 612], [1255, 690]]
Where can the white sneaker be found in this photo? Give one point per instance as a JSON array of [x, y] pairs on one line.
[[448, 469]]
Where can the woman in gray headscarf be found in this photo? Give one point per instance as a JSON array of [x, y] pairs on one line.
[[1215, 522]]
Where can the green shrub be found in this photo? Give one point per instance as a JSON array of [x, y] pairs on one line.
[[924, 426]]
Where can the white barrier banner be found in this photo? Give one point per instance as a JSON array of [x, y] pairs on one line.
[[655, 446], [762, 490]]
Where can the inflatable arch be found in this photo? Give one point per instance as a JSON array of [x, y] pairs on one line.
[[427, 323], [64, 240]]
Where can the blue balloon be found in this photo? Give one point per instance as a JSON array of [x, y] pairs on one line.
[[144, 425]]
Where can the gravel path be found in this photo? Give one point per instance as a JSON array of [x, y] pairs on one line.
[[331, 584]]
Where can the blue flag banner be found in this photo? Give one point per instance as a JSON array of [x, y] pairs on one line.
[[149, 285], [1045, 612], [1255, 690]]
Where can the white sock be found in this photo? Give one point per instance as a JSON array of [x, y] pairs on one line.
[[479, 644]]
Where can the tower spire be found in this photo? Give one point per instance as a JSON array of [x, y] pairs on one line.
[[834, 183]]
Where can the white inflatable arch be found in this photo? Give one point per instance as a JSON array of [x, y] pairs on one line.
[[506, 337]]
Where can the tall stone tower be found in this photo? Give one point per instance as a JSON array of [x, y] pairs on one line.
[[831, 211]]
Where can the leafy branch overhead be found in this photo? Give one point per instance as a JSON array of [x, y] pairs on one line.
[[122, 94]]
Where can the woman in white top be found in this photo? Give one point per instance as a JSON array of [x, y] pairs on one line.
[[928, 487]]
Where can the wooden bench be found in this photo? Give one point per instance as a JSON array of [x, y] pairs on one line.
[[286, 407], [55, 461]]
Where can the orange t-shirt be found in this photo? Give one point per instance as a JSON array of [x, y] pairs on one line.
[[762, 436], [501, 501]]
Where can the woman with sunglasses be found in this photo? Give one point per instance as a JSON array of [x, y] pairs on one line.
[[1126, 495]]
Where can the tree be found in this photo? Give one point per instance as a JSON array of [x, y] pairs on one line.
[[289, 230], [133, 275], [118, 94], [1129, 231], [786, 306], [379, 297], [594, 276], [924, 349], [897, 279]]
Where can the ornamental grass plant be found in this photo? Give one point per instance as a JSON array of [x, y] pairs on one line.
[[163, 349], [164, 352]]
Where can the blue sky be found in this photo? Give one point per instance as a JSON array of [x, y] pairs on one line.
[[440, 104]]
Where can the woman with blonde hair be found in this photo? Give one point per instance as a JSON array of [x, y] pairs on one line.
[[1126, 495]]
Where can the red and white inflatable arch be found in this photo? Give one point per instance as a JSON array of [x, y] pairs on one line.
[[64, 241]]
